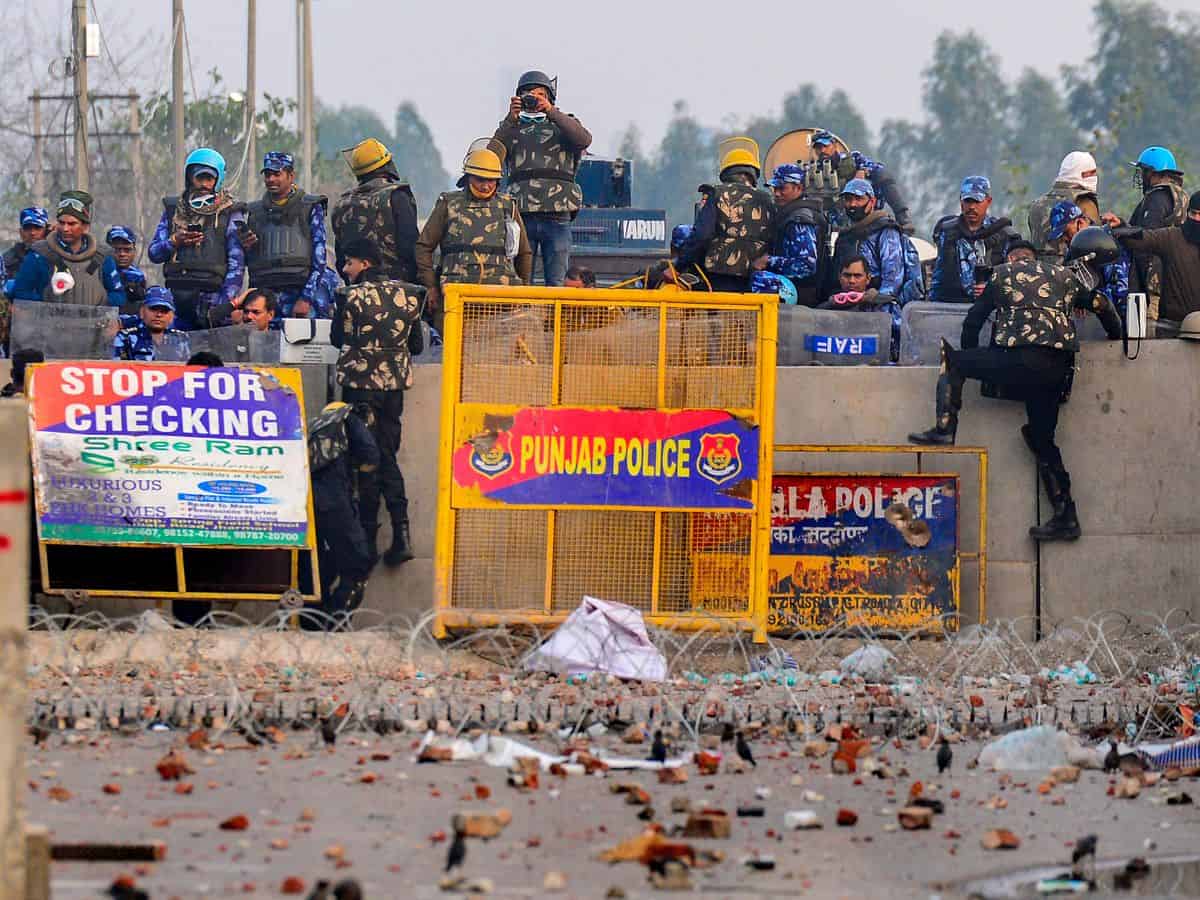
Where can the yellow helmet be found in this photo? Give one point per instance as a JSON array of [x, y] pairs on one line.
[[738, 151], [367, 156], [482, 164]]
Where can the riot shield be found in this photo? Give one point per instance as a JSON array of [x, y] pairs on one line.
[[63, 330], [237, 344]]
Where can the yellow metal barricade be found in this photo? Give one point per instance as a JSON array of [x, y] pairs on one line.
[[611, 443]]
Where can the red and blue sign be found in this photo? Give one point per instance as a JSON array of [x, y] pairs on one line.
[[692, 459]]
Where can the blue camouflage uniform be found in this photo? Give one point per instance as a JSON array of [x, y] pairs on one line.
[[161, 250], [315, 289], [887, 192], [987, 246], [132, 277], [135, 343], [1115, 275], [793, 253]]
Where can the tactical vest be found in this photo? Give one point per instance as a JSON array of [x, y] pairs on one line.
[[282, 258], [541, 170], [87, 268], [1039, 215], [1179, 205], [849, 242], [203, 267], [473, 244], [1034, 306], [805, 211], [743, 230], [365, 211], [328, 440], [995, 238]]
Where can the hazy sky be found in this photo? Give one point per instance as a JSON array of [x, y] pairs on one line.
[[618, 61]]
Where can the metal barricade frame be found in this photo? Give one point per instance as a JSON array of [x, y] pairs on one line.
[[566, 313]]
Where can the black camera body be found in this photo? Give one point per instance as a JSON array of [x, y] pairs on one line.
[[529, 102]]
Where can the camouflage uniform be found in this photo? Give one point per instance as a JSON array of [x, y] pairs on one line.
[[743, 230], [136, 344], [1146, 271], [366, 211], [1039, 214], [471, 234], [337, 441], [372, 326], [1032, 357]]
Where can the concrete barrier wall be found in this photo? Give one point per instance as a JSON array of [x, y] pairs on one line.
[[1128, 437]]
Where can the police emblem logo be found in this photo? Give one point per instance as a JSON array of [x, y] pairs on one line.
[[492, 461], [720, 457]]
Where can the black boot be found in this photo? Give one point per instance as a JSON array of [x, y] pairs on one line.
[[1064, 524], [401, 550], [949, 402]]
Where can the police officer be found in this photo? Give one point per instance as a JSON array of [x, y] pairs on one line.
[[856, 165], [733, 227], [196, 241], [874, 235], [88, 272], [479, 231], [380, 209], [341, 450], [1065, 221], [1078, 180], [1164, 204], [124, 250], [152, 337], [972, 238], [372, 326], [799, 242], [542, 146], [284, 240], [1032, 356], [34, 222]]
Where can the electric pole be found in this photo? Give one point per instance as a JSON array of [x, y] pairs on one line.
[[251, 65], [79, 42], [306, 119], [177, 99]]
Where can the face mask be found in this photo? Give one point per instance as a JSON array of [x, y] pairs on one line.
[[528, 118], [856, 213], [1091, 185], [482, 193], [1191, 230]]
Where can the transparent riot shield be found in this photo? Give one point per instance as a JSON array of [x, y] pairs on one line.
[[63, 330], [237, 344]]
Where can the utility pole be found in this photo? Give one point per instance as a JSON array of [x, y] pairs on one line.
[[135, 156], [306, 122], [177, 87], [79, 60], [39, 159], [251, 88]]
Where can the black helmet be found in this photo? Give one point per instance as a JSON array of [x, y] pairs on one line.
[[1096, 244], [538, 79]]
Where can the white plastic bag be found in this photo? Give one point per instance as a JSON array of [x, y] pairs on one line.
[[601, 636]]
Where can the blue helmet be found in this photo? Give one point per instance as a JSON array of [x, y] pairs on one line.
[[1063, 213], [207, 158], [788, 173], [1157, 159], [680, 235], [35, 216]]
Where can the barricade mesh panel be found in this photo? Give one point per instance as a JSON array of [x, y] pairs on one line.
[[713, 365], [507, 353], [610, 356], [499, 559], [606, 554], [705, 562]]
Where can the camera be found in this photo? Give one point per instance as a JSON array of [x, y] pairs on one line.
[[529, 102], [195, 229]]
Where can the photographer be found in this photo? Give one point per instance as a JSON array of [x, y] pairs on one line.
[[541, 147]]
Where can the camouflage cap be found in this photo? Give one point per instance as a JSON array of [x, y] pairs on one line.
[[1063, 213], [975, 187], [120, 233], [35, 216], [822, 138], [160, 297], [277, 161], [788, 173], [858, 187]]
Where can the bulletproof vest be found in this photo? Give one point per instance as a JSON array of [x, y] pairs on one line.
[[1034, 305], [541, 170], [1179, 205], [283, 255], [804, 211], [743, 230], [1039, 215], [328, 440], [365, 211], [200, 268], [87, 268], [473, 245], [850, 239], [995, 237]]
